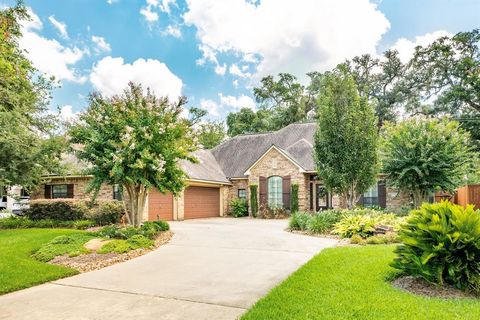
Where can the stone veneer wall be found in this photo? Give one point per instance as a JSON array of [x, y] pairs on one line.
[[276, 164], [233, 192], [79, 186], [396, 199]]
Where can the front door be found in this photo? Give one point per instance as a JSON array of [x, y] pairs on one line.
[[322, 196]]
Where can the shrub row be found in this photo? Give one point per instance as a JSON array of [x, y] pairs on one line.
[[345, 223], [100, 212], [24, 223], [148, 229]]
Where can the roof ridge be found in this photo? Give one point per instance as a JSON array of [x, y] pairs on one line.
[[298, 141]]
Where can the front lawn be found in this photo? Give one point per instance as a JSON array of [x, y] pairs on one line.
[[349, 283], [18, 269]]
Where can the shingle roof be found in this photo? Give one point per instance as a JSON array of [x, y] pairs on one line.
[[207, 167], [237, 154]]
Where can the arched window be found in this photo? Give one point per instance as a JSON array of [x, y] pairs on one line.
[[275, 192]]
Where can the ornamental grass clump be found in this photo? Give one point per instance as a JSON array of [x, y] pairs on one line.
[[441, 243]]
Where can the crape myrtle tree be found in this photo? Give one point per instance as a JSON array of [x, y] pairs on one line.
[[421, 156], [29, 146], [346, 140], [135, 140]]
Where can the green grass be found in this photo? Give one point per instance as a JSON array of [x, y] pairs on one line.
[[18, 269], [349, 283]]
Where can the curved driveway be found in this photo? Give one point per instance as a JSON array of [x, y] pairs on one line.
[[211, 269]]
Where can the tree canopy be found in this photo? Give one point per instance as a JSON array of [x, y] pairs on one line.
[[135, 140], [421, 156], [29, 146], [346, 139]]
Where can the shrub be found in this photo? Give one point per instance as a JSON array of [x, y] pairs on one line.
[[322, 222], [148, 229], [362, 225], [441, 243], [71, 245], [83, 224], [294, 198], [254, 199], [238, 208], [159, 225], [123, 246], [299, 221], [61, 209], [106, 212], [356, 239], [363, 222]]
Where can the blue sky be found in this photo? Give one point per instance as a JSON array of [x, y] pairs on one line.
[[214, 52]]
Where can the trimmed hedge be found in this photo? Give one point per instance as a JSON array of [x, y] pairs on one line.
[[100, 212], [61, 209], [25, 223], [294, 198], [254, 199]]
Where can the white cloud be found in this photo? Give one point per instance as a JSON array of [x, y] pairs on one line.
[[220, 70], [149, 10], [111, 76], [166, 4], [211, 106], [149, 15], [235, 83], [287, 37], [48, 55], [101, 45], [111, 1], [67, 114], [60, 26], [173, 31], [236, 71], [406, 48], [237, 103]]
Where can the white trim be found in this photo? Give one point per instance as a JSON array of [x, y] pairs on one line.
[[247, 172]]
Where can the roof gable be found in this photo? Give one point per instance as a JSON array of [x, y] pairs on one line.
[[237, 154], [282, 152]]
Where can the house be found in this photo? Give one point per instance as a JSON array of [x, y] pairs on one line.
[[273, 161]]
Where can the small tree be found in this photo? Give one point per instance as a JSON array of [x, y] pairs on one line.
[[135, 140], [346, 139], [253, 200], [421, 156], [294, 198]]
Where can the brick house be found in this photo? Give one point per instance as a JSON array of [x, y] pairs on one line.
[[273, 161]]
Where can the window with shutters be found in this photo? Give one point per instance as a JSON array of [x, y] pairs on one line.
[[59, 191], [370, 198], [275, 192]]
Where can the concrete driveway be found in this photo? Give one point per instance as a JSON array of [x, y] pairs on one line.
[[211, 269]]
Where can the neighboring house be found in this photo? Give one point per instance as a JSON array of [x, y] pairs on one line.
[[274, 161]]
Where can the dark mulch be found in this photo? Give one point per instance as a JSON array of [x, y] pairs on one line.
[[420, 286]]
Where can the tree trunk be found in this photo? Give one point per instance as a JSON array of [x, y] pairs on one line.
[[418, 198], [137, 196]]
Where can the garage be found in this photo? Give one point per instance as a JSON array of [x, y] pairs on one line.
[[202, 202], [160, 205]]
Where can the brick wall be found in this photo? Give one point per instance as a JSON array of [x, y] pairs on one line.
[[79, 186]]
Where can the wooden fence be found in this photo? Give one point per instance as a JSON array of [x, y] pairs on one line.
[[469, 194]]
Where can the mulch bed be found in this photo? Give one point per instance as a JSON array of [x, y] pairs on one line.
[[95, 261], [419, 286]]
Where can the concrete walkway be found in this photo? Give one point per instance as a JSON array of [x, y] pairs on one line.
[[211, 269]]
